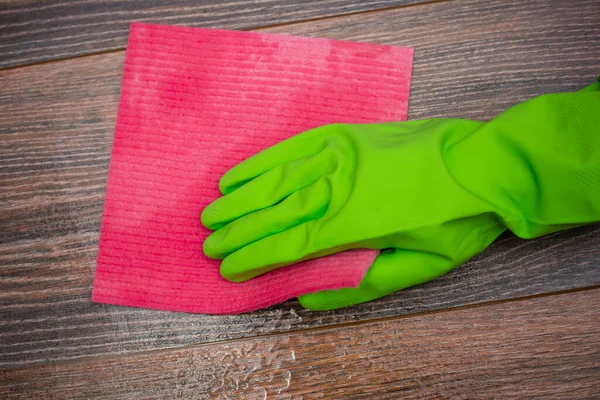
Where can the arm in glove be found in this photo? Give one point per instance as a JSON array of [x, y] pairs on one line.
[[430, 194]]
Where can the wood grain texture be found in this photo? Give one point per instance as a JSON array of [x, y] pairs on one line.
[[473, 59], [34, 31], [544, 348]]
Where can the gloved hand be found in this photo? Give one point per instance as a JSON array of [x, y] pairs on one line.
[[430, 194]]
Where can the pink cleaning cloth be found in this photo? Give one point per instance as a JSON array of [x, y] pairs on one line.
[[194, 103]]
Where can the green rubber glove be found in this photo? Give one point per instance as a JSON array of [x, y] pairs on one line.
[[430, 194]]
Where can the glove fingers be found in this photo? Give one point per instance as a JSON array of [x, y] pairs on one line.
[[294, 148], [304, 205], [267, 189], [393, 270], [272, 252]]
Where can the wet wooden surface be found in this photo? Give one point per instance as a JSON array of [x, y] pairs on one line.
[[547, 347], [473, 59]]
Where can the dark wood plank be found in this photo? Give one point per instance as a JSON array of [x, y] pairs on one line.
[[544, 348], [473, 58], [34, 31]]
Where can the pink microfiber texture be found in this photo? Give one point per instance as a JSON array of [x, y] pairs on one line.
[[195, 102]]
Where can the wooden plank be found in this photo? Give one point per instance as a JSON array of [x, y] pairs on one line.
[[546, 348], [34, 31], [56, 133]]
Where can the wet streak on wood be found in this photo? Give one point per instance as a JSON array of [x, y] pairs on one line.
[[538, 348], [473, 59], [34, 31]]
